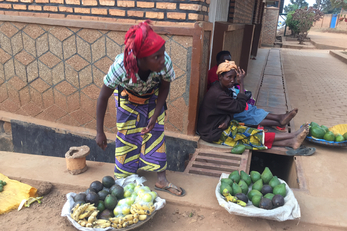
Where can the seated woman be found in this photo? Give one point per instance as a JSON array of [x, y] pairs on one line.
[[218, 110]]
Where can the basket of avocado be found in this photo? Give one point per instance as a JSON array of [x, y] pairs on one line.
[[334, 136]]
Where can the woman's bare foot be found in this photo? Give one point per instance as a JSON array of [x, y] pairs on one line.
[[169, 187], [288, 116], [300, 135]]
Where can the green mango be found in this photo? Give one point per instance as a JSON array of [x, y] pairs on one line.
[[235, 176], [238, 149], [266, 176], [255, 176], [329, 136], [339, 138], [256, 200], [269, 196], [244, 186], [236, 189], [274, 182], [245, 177], [258, 185], [227, 181], [325, 128], [225, 186], [317, 132], [252, 193], [280, 189], [345, 136], [314, 124]]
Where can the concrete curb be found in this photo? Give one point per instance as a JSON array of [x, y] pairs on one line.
[[339, 55]]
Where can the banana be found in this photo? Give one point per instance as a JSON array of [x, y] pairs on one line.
[[129, 217], [142, 217], [74, 209], [87, 212], [89, 225], [152, 209], [135, 220], [144, 212], [102, 222], [127, 223], [82, 223], [92, 217], [78, 211], [143, 207], [117, 226], [242, 203], [136, 215], [115, 220]]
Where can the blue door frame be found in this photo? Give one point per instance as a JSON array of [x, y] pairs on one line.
[[333, 21]]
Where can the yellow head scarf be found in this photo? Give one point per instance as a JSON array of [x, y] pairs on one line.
[[225, 67]]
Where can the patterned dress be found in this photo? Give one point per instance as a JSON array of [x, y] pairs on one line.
[[133, 150]]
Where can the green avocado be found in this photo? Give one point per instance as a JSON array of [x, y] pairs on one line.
[[227, 181], [345, 136], [235, 176], [325, 128], [317, 132], [225, 186], [339, 138], [238, 149], [314, 124]]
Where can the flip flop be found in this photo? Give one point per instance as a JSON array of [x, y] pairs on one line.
[[280, 129], [302, 151], [170, 185]]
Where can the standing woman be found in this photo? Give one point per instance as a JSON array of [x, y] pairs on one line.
[[140, 81]]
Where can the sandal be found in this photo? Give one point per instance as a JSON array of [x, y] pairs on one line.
[[280, 129], [302, 151], [170, 185]]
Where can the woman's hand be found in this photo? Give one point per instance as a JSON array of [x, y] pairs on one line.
[[240, 75], [225, 123], [149, 127], [101, 140]]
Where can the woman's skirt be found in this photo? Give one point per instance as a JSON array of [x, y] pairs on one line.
[[133, 150], [252, 116]]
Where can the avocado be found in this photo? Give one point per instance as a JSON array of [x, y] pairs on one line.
[[256, 200], [236, 189], [252, 193], [280, 189], [101, 206], [314, 124], [255, 176], [118, 191], [244, 187], [265, 203], [225, 186], [245, 177], [274, 182], [238, 149], [235, 176], [102, 194], [266, 176], [258, 185], [108, 181], [317, 132], [80, 197], [96, 185], [339, 138], [110, 202], [242, 197], [277, 200], [269, 196], [92, 198], [89, 190], [345, 136], [106, 214], [266, 189], [325, 128], [227, 181], [329, 136]]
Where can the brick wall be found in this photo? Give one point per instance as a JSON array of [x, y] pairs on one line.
[[326, 20], [128, 11], [257, 13], [269, 28], [241, 11]]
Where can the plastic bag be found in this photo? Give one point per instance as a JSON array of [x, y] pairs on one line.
[[159, 202], [13, 194], [289, 211]]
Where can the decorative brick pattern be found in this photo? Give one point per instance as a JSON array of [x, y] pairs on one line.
[[65, 69], [124, 11], [269, 27], [241, 11]]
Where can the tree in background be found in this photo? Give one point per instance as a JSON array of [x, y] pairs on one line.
[[305, 19], [326, 7], [339, 4], [294, 5], [292, 24]]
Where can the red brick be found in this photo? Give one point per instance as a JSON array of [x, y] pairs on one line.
[[65, 9], [82, 10], [34, 7], [195, 7], [133, 13], [124, 20], [89, 3], [205, 18], [107, 2], [197, 17], [73, 2], [27, 1], [57, 1], [204, 8], [42, 1], [125, 3], [16, 13], [50, 8], [26, 14], [6, 6], [174, 15], [90, 18], [70, 16], [145, 4], [156, 15], [166, 5], [2, 12], [19, 7], [115, 12], [99, 11], [107, 19], [12, 0]]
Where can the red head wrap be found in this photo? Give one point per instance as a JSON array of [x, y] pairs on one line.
[[140, 41]]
